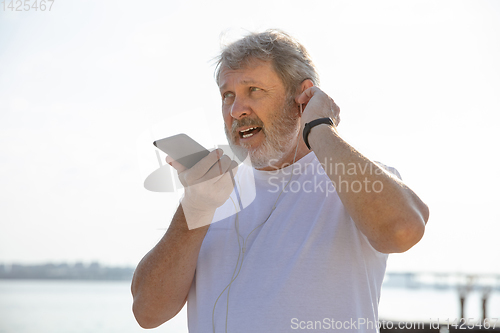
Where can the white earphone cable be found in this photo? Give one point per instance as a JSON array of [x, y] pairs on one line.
[[242, 249]]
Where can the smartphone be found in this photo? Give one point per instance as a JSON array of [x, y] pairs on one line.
[[183, 149], [188, 152]]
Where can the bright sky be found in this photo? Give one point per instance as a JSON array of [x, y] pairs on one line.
[[85, 86]]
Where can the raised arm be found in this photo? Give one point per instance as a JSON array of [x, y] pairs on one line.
[[163, 278], [387, 211]]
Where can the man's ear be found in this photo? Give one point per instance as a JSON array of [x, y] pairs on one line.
[[306, 84]]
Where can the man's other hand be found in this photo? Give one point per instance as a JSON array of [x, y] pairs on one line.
[[318, 105]]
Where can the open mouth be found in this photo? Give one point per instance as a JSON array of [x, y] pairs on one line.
[[249, 132]]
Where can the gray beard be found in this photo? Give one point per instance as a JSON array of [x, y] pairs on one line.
[[284, 127]]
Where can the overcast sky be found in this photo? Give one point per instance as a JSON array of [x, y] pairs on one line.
[[86, 87]]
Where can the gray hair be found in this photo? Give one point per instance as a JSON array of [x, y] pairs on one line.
[[289, 58]]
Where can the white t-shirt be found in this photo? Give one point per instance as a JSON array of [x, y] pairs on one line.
[[307, 268]]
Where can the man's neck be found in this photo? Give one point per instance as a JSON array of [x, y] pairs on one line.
[[289, 159]]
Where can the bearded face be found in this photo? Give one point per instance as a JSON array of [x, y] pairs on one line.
[[280, 131]]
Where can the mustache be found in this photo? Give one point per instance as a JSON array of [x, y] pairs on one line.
[[237, 123]]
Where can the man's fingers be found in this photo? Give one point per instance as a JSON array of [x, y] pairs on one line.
[[307, 95], [229, 174], [319, 105], [336, 112], [219, 168], [232, 168], [212, 167], [204, 166], [176, 165]]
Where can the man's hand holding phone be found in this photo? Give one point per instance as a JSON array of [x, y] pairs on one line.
[[207, 185]]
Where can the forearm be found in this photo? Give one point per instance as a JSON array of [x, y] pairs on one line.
[[162, 279], [388, 212]]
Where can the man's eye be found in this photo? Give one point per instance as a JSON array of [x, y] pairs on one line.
[[254, 89], [227, 97]]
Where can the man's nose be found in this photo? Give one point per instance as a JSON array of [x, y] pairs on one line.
[[240, 108]]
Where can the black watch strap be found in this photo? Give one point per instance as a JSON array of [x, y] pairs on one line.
[[316, 122]]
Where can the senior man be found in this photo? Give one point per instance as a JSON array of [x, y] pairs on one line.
[[310, 250]]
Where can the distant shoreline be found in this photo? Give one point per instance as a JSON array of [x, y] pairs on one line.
[[64, 271]]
